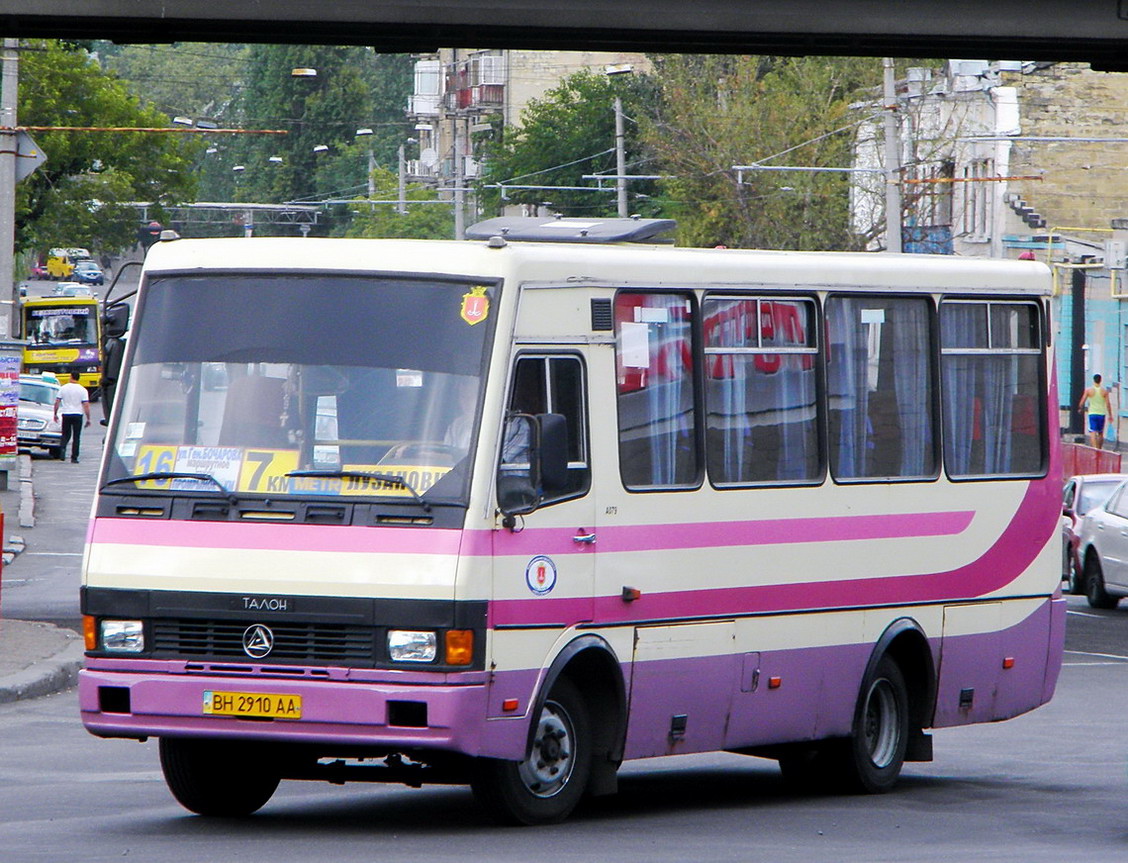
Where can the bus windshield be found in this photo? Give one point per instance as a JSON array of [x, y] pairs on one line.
[[55, 326], [304, 385]]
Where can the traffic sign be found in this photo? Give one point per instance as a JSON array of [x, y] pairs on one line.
[[28, 155]]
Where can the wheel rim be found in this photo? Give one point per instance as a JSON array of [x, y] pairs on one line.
[[1093, 584], [549, 766], [882, 729]]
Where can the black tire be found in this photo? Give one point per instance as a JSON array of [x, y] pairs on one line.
[[870, 760], [56, 452], [1095, 591], [546, 786], [1076, 579], [220, 778]]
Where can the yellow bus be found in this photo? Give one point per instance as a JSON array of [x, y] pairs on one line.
[[63, 335]]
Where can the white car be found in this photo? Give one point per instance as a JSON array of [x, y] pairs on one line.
[[36, 426], [1103, 550], [1080, 494]]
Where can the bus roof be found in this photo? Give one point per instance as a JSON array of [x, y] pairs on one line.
[[607, 264]]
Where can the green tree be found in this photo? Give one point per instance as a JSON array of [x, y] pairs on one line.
[[78, 196], [182, 79], [320, 156], [717, 112], [566, 134], [422, 221]]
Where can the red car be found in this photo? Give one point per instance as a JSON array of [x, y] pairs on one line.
[[1081, 494]]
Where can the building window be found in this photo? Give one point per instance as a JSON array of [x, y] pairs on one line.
[[978, 199]]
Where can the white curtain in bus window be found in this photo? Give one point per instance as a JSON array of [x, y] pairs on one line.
[[992, 388], [654, 363], [761, 395], [880, 388]]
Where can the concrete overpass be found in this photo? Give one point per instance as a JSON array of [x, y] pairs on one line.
[[1095, 31]]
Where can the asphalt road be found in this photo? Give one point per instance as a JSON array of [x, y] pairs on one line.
[[1050, 785]]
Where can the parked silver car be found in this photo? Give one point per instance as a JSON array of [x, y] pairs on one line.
[[1104, 550], [1080, 494], [36, 425]]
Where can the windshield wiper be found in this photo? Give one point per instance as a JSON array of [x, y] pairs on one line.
[[389, 478], [172, 474]]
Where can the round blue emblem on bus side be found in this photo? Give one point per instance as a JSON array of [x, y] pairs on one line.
[[540, 575]]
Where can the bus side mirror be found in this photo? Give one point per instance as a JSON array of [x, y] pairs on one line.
[[517, 480], [115, 321], [534, 460]]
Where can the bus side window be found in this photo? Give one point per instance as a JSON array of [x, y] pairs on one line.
[[991, 366], [554, 384]]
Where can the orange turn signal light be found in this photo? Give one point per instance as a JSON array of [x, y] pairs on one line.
[[509, 705], [775, 682], [459, 646], [90, 631], [1008, 662]]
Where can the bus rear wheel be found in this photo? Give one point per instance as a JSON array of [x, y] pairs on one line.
[[870, 760], [547, 785], [221, 778]]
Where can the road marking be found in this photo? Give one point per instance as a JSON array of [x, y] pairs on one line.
[[1085, 614], [53, 553], [1101, 655]]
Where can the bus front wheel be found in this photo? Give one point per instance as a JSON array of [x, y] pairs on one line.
[[222, 778], [547, 785]]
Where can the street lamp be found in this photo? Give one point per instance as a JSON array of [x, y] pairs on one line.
[[321, 148], [620, 141], [367, 133]]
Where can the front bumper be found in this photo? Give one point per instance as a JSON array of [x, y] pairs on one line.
[[45, 440], [345, 713]]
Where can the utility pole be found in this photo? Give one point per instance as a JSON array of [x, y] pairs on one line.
[[9, 82], [620, 160], [892, 161], [401, 181], [459, 183]]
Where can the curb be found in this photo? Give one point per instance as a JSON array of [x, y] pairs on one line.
[[47, 676], [27, 493]]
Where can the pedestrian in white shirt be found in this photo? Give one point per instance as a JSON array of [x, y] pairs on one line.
[[73, 402]]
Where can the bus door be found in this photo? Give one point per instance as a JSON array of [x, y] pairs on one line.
[[544, 566]]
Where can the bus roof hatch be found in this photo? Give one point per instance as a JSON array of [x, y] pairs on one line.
[[560, 230]]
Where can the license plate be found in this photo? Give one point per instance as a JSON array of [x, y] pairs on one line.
[[262, 705]]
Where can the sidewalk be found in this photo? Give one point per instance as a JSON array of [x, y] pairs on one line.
[[35, 658]]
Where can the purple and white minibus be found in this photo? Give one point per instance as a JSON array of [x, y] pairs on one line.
[[509, 512]]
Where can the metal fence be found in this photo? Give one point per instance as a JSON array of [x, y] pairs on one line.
[[1078, 459]]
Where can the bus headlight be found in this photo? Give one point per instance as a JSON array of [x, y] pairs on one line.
[[123, 636], [409, 645]]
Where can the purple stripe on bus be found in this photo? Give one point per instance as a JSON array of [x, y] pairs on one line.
[[727, 534], [279, 537], [729, 701], [816, 689], [1016, 548], [553, 541]]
